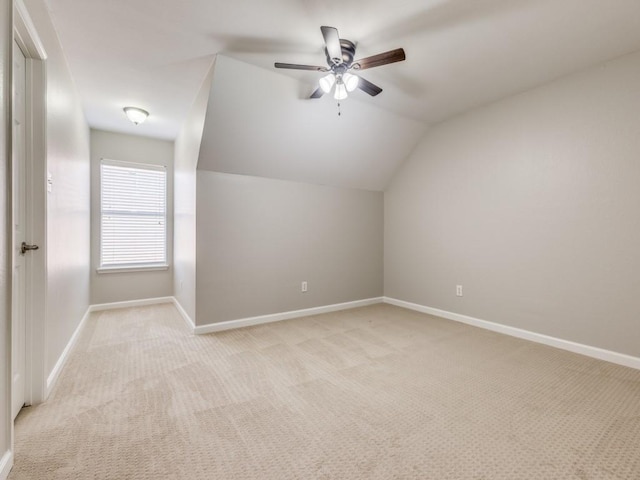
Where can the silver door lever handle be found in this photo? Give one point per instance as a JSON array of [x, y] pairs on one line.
[[25, 247]]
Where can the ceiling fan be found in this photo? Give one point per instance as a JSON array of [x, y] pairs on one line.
[[340, 54]]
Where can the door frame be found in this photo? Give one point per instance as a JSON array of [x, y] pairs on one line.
[[26, 36]]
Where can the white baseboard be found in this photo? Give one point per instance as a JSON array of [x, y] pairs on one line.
[[190, 323], [131, 303], [57, 369], [145, 302], [589, 351], [276, 317], [6, 462]]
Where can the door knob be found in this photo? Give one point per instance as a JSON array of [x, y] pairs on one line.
[[25, 247]]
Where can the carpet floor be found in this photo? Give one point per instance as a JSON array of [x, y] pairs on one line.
[[377, 392]]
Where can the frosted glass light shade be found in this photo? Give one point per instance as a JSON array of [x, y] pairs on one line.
[[327, 82], [350, 81], [135, 114], [341, 91]]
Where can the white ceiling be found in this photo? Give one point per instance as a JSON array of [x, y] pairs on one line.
[[460, 53]]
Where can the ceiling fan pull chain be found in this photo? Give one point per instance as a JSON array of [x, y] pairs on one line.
[[339, 113]]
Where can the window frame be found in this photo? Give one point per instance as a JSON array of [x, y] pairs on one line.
[[133, 267]]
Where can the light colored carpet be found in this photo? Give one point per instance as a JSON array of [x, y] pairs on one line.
[[373, 393]]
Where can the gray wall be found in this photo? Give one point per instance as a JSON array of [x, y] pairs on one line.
[[533, 205], [122, 286], [187, 150], [258, 239], [68, 205], [5, 273]]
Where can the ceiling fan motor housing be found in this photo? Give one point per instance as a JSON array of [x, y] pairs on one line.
[[348, 52]]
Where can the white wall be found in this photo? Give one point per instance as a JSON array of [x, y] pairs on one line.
[[186, 152], [532, 204], [118, 287], [68, 205], [5, 236], [258, 239]]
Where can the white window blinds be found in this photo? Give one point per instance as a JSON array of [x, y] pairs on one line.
[[133, 214]]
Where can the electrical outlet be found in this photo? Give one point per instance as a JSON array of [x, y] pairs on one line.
[[304, 287], [458, 290]]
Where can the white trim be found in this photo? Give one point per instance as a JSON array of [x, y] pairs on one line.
[[276, 317], [190, 323], [37, 226], [589, 351], [130, 303], [132, 269], [142, 303], [6, 463], [157, 191], [27, 33], [27, 37], [156, 167], [62, 360], [55, 373]]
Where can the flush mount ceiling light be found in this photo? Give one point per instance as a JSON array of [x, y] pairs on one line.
[[340, 54], [135, 114]]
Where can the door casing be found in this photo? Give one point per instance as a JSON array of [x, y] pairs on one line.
[[26, 36]]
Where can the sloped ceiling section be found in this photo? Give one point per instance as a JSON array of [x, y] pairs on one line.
[[460, 53], [262, 123]]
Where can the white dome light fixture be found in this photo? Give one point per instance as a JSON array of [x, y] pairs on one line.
[[135, 114]]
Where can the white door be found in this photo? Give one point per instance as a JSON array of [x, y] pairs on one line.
[[19, 285]]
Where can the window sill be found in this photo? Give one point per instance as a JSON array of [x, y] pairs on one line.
[[132, 269]]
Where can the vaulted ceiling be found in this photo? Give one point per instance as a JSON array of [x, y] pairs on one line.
[[257, 124], [460, 54]]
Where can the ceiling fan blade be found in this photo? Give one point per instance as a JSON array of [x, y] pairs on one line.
[[332, 41], [317, 93], [293, 66], [368, 87], [391, 56]]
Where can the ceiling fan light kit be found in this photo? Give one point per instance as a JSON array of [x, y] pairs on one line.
[[340, 54], [326, 82], [350, 81], [341, 91]]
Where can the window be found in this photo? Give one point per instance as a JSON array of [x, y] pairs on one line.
[[133, 215]]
